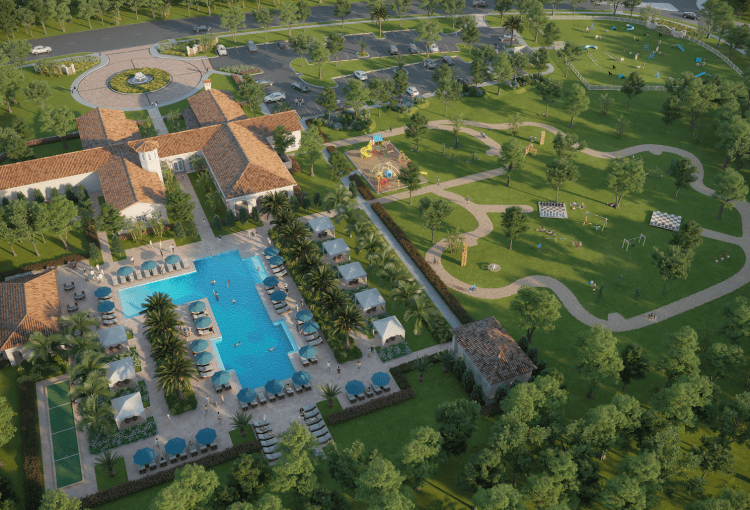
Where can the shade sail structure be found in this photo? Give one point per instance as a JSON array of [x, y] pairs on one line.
[[149, 265], [276, 260], [204, 358], [172, 259], [113, 335], [220, 377], [197, 306], [335, 247], [106, 306], [199, 345], [388, 328], [308, 351], [352, 271], [246, 395], [274, 386], [301, 377], [380, 379], [203, 322], [125, 271], [271, 251], [354, 387], [102, 292], [319, 225], [278, 296], [205, 436], [304, 315], [144, 456], [121, 370], [175, 446], [271, 282], [370, 298], [309, 328], [128, 406]]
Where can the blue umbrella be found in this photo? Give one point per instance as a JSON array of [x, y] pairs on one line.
[[205, 436], [309, 328], [102, 292], [246, 395], [304, 315], [301, 377], [144, 456], [175, 446], [199, 345], [148, 265], [203, 358], [308, 351], [271, 282], [203, 322], [274, 386], [278, 296], [106, 306], [125, 271], [271, 252], [354, 387], [276, 261], [380, 379], [221, 377], [172, 259], [197, 306]]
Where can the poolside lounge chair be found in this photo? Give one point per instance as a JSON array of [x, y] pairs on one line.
[[279, 304], [69, 286], [270, 396], [324, 439], [385, 388], [270, 449], [308, 408], [204, 448], [281, 311], [313, 343], [369, 392], [377, 389], [280, 395], [361, 396], [352, 398], [262, 399], [183, 454], [304, 361], [312, 421], [142, 470], [81, 295], [244, 406], [307, 387], [205, 375], [227, 386], [314, 360], [213, 446], [273, 456], [289, 390], [317, 426], [173, 459], [270, 442], [137, 274], [217, 388], [73, 308], [264, 430], [193, 451], [311, 414], [162, 461], [298, 388], [115, 282], [266, 436], [204, 368], [322, 432], [254, 402], [259, 424]]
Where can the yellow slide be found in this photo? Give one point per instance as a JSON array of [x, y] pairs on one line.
[[366, 151]]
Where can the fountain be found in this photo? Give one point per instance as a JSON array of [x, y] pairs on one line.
[[139, 79]]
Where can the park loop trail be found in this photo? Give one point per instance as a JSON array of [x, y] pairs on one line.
[[615, 322]]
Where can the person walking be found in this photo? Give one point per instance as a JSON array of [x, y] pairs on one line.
[[467, 198], [206, 409], [132, 261], [156, 442], [219, 240], [328, 367], [218, 415], [359, 365], [338, 372], [172, 248]]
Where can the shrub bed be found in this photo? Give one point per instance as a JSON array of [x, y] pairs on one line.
[[30, 449], [241, 69], [102, 442], [43, 265], [119, 82], [370, 406], [160, 477], [325, 137], [178, 48], [419, 260], [394, 351], [177, 406], [363, 187]]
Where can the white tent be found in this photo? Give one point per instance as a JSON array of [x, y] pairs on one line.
[[352, 271], [320, 225], [127, 407], [113, 335], [370, 298], [336, 247], [121, 370], [388, 328]]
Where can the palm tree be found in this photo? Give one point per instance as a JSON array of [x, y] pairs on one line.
[[320, 279], [369, 242], [421, 309], [302, 248], [329, 391], [241, 421], [392, 273], [174, 374], [405, 291], [514, 23], [95, 416], [160, 321], [158, 301], [273, 203], [82, 343], [382, 257], [283, 217], [107, 461], [346, 319], [78, 321], [42, 347], [309, 261], [90, 364], [338, 199], [349, 214], [379, 13], [217, 200], [96, 384], [446, 359], [334, 299], [294, 232], [421, 365], [167, 343], [357, 230]]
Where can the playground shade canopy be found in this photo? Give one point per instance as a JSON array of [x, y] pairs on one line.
[[335, 247], [113, 335], [388, 328], [128, 406], [352, 271], [320, 225], [370, 298], [120, 370], [377, 137]]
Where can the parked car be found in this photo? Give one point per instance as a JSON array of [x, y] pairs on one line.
[[274, 97], [434, 48], [200, 28], [448, 60], [221, 50], [360, 75], [429, 63], [690, 15], [412, 91], [413, 49], [283, 45], [394, 50], [300, 86], [466, 80], [265, 83], [251, 46], [479, 3], [37, 50]]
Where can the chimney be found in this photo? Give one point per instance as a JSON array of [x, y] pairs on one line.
[[149, 156], [207, 84]]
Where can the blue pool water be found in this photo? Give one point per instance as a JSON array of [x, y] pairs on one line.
[[246, 321]]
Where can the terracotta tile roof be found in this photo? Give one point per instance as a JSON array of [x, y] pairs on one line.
[[290, 120], [146, 145], [91, 129], [494, 352], [115, 184], [181, 142], [102, 126], [226, 159], [28, 304], [26, 173], [147, 186], [215, 107], [125, 183]]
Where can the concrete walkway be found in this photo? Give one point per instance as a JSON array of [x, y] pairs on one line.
[[158, 120]]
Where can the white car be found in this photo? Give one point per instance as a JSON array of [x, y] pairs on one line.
[[434, 48], [37, 50], [274, 97], [412, 91], [221, 50], [360, 75]]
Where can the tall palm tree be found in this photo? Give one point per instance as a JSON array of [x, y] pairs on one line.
[[382, 257], [292, 233], [91, 364], [445, 358], [369, 242], [338, 199], [241, 421], [76, 345], [421, 365], [405, 291], [78, 321], [42, 347], [107, 461], [95, 416], [379, 13], [273, 203], [357, 230], [514, 23], [329, 391], [158, 301], [349, 214], [334, 299], [160, 321], [320, 279], [309, 261], [174, 374], [96, 384], [168, 343], [421, 309], [346, 319], [392, 273], [302, 248], [283, 217]]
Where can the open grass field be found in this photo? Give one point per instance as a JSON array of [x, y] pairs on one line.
[[104, 481], [68, 471], [11, 459], [52, 249]]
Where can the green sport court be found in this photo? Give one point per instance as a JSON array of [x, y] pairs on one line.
[[64, 440]]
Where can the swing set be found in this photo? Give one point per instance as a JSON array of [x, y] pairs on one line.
[[638, 240], [586, 219]]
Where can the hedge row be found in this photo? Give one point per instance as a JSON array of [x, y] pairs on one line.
[[363, 187], [419, 260], [32, 462], [164, 476], [370, 406]]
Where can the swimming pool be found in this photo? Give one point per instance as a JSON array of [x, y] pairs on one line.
[[245, 322]]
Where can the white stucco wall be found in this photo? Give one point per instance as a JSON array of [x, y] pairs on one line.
[[143, 211], [297, 137], [254, 200], [90, 181], [174, 162]]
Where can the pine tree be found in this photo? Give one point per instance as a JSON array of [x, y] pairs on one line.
[[179, 231]]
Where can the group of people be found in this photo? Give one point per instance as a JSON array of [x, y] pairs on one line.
[[299, 102], [472, 288], [651, 316]]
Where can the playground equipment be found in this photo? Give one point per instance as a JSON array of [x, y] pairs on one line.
[[590, 46], [636, 239], [541, 138], [383, 172], [530, 149], [657, 74], [629, 26], [366, 151], [586, 219], [404, 159], [613, 28], [645, 47], [701, 74], [680, 46]]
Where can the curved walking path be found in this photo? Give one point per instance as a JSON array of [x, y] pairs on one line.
[[615, 321]]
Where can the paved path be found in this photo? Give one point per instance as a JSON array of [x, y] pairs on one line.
[[158, 120]]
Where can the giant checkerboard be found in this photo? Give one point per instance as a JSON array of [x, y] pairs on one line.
[[665, 221], [552, 210]]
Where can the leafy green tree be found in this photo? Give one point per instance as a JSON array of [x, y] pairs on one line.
[[428, 32], [10, 81], [192, 487], [672, 110], [346, 466], [263, 17], [597, 356], [634, 365], [448, 87], [733, 419], [512, 158], [296, 469], [637, 484], [722, 359], [625, 176], [400, 7], [411, 178], [233, 19], [327, 100], [549, 90], [7, 430], [252, 92], [14, 145], [729, 189], [60, 121], [674, 264], [342, 9], [356, 94], [311, 144], [498, 497], [734, 138], [380, 90], [714, 454], [695, 96], [633, 86], [502, 69], [110, 220], [502, 6], [59, 500], [300, 45], [433, 213], [679, 402], [420, 455], [303, 12], [250, 474], [63, 214], [319, 55], [380, 486], [577, 101], [568, 146], [457, 423], [736, 323], [681, 356], [559, 172], [684, 174], [537, 308], [515, 223], [287, 14], [416, 128], [469, 32], [689, 235], [728, 499], [569, 54], [282, 139]]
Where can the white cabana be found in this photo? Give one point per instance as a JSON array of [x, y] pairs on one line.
[[320, 226], [389, 329], [128, 409], [351, 272], [370, 300], [113, 336], [336, 248], [121, 370]]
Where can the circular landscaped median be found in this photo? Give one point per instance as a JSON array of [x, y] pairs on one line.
[[138, 81]]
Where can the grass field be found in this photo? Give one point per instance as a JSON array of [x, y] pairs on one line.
[[104, 481], [11, 459]]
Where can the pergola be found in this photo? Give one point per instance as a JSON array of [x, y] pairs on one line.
[[388, 329], [351, 272], [370, 300], [128, 408], [113, 336], [320, 226], [121, 370], [336, 248]]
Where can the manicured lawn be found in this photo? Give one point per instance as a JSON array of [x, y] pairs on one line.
[[320, 183], [209, 210], [104, 481], [11, 459], [237, 438], [51, 250]]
